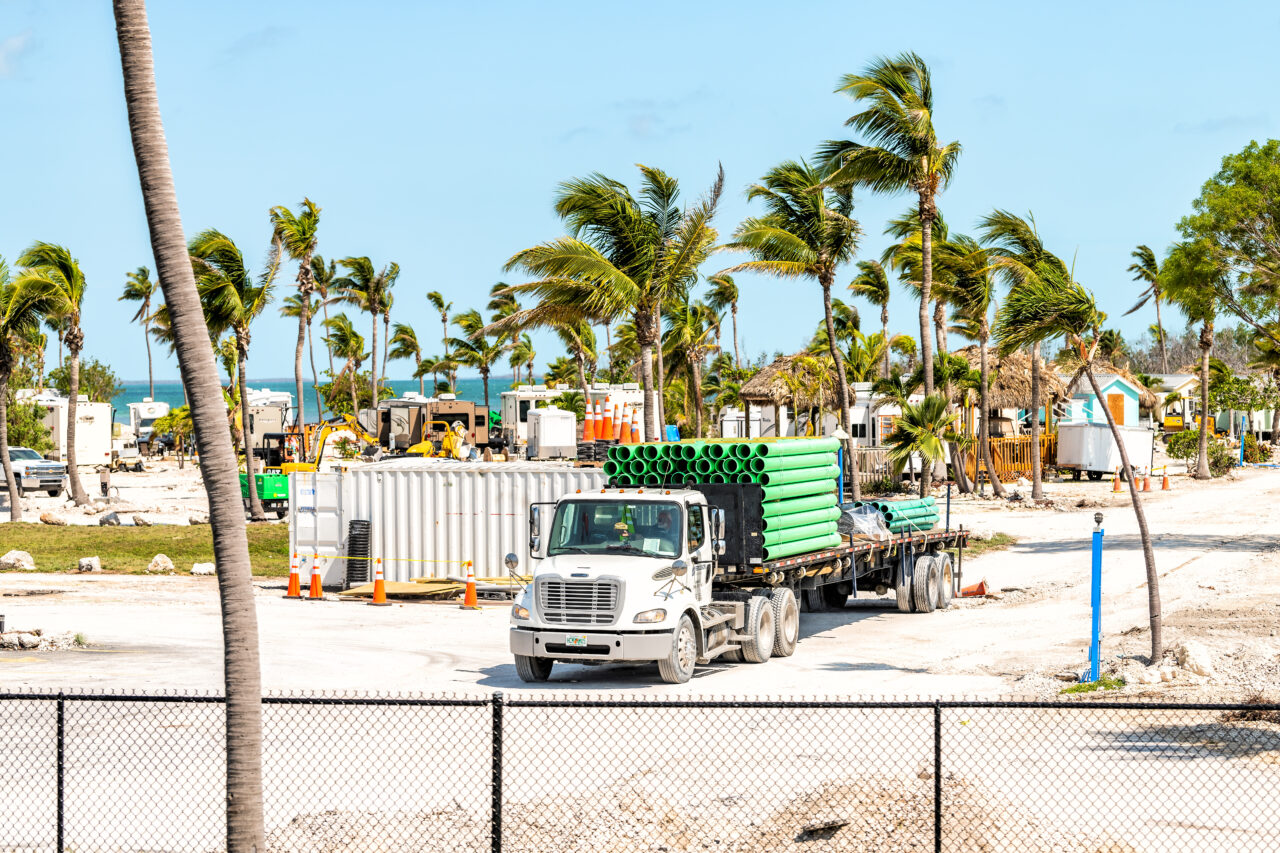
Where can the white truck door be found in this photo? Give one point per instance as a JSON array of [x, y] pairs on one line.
[[700, 552]]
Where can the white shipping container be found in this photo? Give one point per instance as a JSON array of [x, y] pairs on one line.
[[426, 516]]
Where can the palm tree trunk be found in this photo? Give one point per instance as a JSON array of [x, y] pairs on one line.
[[217, 459], [1206, 345], [373, 364], [422, 379], [73, 475], [355, 396], [661, 378], [484, 377], [315, 378], [926, 288], [580, 362], [842, 388], [984, 431], [1148, 555], [386, 340], [737, 356], [646, 383], [1164, 352], [255, 502], [15, 494], [324, 305], [1037, 479], [151, 381], [695, 367], [884, 333], [304, 320]]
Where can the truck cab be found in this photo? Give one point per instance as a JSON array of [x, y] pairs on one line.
[[629, 575]]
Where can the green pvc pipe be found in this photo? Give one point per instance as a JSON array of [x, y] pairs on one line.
[[652, 479], [792, 534], [800, 475], [692, 450], [650, 452], [611, 468], [716, 450], [786, 463], [717, 477], [742, 450], [664, 467], [900, 514], [637, 468], [796, 446], [729, 466], [886, 506], [794, 505], [796, 490], [803, 546], [921, 520], [745, 477], [802, 519], [703, 467]]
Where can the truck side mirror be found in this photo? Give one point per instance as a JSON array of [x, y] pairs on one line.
[[535, 528], [717, 525], [679, 569]]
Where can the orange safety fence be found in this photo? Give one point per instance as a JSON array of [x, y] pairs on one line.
[[1011, 457]]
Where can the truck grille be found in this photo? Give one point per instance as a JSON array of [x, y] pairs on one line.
[[578, 602]]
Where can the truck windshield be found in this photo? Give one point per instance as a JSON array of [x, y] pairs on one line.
[[649, 528], [22, 453]]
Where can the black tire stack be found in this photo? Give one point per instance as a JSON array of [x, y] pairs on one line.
[[358, 536]]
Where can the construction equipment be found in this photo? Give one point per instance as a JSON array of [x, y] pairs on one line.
[[452, 443], [320, 441]]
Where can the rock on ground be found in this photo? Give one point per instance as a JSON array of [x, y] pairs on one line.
[[198, 518], [53, 518], [111, 519], [18, 561], [140, 521], [203, 569], [160, 564], [1194, 657], [90, 564]]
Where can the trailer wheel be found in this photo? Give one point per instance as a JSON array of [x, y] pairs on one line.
[[531, 669], [760, 630], [1095, 476], [906, 604], [786, 622], [677, 666], [812, 600], [924, 585], [946, 580], [836, 595]]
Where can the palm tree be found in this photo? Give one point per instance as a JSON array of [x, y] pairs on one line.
[[806, 232], [476, 349], [140, 288], [571, 323], [903, 155], [623, 258], [296, 234], [872, 284], [578, 338], [1146, 268], [293, 307], [1112, 347], [690, 339], [724, 294], [923, 428], [346, 343], [1266, 358], [19, 318], [322, 278], [404, 344], [369, 290], [51, 277], [1049, 303], [523, 355], [241, 671], [232, 301], [1192, 277], [906, 257], [443, 308]]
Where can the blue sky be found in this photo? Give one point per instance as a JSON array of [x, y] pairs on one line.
[[434, 134]]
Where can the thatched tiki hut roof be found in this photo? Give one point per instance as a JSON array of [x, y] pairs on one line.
[[1010, 386], [1146, 397], [769, 386]]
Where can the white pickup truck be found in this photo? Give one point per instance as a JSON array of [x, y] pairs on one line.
[[35, 473], [676, 576]]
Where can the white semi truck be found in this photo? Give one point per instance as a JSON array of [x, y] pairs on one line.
[[677, 577]]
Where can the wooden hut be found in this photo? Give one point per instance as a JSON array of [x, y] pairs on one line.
[[770, 389]]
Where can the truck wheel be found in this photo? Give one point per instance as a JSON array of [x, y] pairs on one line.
[[946, 580], [906, 604], [836, 595], [53, 493], [759, 628], [1095, 476], [924, 585], [786, 622], [532, 669], [677, 666], [812, 601]]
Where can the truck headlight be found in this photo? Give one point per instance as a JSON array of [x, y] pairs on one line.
[[519, 611], [655, 615]]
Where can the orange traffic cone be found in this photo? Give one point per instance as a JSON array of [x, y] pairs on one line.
[[606, 423], [1164, 487], [588, 425], [617, 423], [636, 438], [379, 586], [315, 593], [623, 426], [1115, 483], [976, 590], [469, 601], [1146, 482], [295, 583]]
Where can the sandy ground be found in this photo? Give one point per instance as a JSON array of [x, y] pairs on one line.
[[162, 492]]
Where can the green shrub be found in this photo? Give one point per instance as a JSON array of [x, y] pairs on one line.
[[1221, 458], [1183, 445], [1255, 451]]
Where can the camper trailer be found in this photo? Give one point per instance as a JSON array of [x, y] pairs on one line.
[[93, 429], [141, 418], [516, 405]]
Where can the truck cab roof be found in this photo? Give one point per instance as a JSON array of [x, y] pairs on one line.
[[653, 493]]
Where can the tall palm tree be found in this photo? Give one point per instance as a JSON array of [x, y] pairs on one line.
[[1146, 269], [903, 153], [1192, 277], [404, 344], [623, 257], [292, 306], [906, 258], [1049, 303], [241, 671], [1112, 347], [1017, 255], [872, 284], [370, 290], [140, 288], [690, 338], [19, 318], [523, 355], [475, 349], [571, 323], [807, 232], [233, 299], [443, 308], [346, 343], [53, 278], [296, 234], [322, 278], [724, 294]]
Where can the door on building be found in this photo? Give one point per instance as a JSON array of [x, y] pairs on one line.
[[1115, 402]]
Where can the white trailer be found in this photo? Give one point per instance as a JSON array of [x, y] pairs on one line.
[[553, 434], [1090, 448], [516, 405], [142, 416], [93, 430]]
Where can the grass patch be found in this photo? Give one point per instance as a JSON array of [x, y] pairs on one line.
[[1106, 682], [130, 549], [978, 547]]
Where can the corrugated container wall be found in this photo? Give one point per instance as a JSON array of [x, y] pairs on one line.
[[428, 517]]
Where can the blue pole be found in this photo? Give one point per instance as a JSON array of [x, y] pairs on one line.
[[1242, 423], [840, 476], [1095, 647]]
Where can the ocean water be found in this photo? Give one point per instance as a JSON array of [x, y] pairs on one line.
[[170, 391]]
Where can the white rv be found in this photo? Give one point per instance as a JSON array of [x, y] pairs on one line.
[[93, 429], [142, 416], [516, 405]]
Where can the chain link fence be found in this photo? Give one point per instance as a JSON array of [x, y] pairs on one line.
[[535, 773]]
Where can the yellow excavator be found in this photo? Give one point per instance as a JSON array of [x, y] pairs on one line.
[[453, 442], [320, 440]]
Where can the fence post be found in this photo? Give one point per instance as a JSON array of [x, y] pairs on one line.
[[937, 776], [1095, 602], [495, 830], [62, 730]]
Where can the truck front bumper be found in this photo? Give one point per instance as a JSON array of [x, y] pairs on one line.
[[600, 645]]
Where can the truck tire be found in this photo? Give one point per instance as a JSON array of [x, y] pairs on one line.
[[906, 604], [677, 666], [836, 595], [533, 670], [924, 585], [946, 580], [811, 600], [786, 622], [758, 647], [53, 493]]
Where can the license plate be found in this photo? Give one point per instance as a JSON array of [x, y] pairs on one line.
[[576, 640]]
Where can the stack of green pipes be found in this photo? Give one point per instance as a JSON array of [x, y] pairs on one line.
[[798, 476], [907, 516]]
